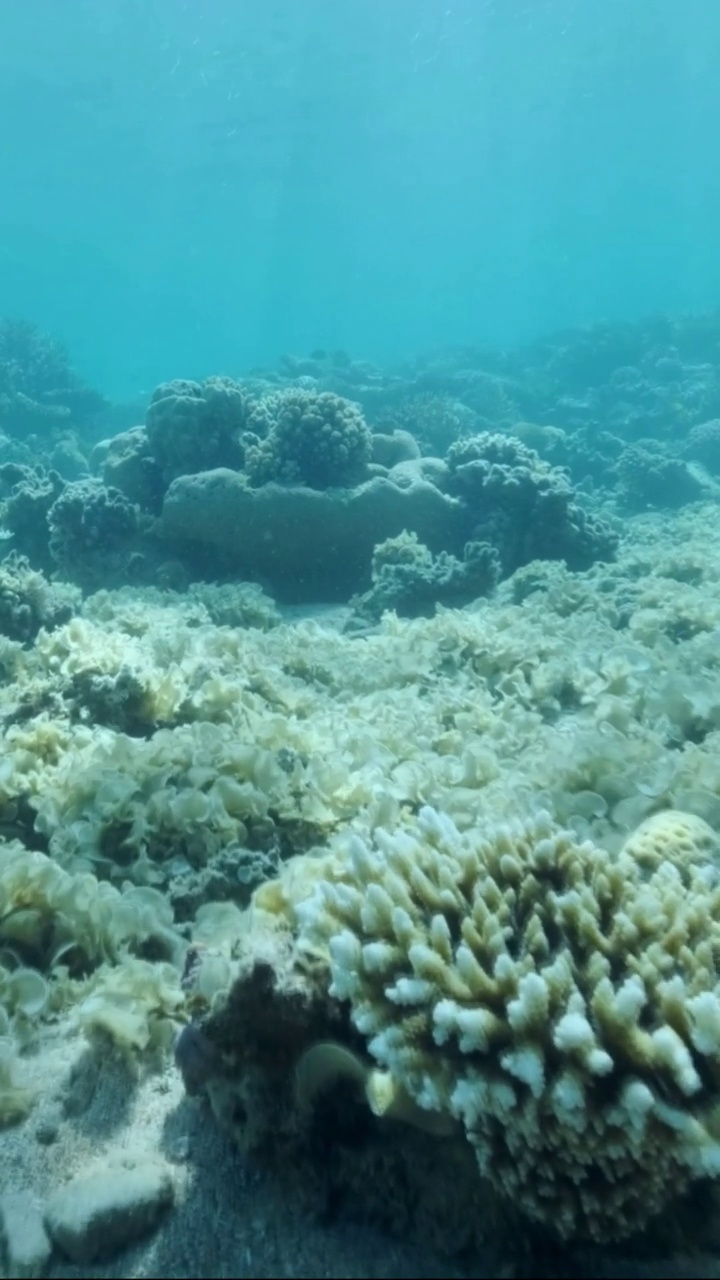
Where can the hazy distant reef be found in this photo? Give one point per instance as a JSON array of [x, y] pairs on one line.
[[293, 476], [39, 391]]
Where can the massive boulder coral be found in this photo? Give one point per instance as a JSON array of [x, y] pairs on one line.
[[434, 420], [523, 506], [315, 439], [129, 466], [562, 1004], [194, 426], [306, 543]]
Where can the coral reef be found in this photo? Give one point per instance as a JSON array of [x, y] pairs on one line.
[[432, 891], [306, 543], [407, 577], [28, 601], [562, 1005], [522, 506], [648, 477], [38, 388], [319, 440], [90, 526], [195, 426]]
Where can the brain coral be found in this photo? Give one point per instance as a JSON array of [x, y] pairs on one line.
[[314, 438], [562, 1004]]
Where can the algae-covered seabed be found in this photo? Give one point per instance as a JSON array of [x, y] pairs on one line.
[[595, 695]]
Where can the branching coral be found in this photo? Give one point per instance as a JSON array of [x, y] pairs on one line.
[[88, 525], [38, 388], [409, 579], [563, 1005], [523, 506], [28, 493], [28, 601], [314, 439]]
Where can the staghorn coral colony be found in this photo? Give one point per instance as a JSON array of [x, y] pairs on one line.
[[562, 1005], [360, 740]]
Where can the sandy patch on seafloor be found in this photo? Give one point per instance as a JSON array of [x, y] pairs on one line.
[[229, 1219]]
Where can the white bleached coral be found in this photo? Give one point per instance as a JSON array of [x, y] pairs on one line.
[[670, 836], [46, 911], [562, 1004], [66, 938]]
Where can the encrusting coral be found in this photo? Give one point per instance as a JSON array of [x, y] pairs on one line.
[[562, 1004]]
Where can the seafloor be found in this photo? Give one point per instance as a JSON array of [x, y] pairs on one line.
[[593, 694]]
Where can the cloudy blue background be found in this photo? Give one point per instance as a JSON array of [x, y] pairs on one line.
[[190, 186]]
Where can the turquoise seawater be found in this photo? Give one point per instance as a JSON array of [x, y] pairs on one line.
[[194, 185], [359, 638]]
